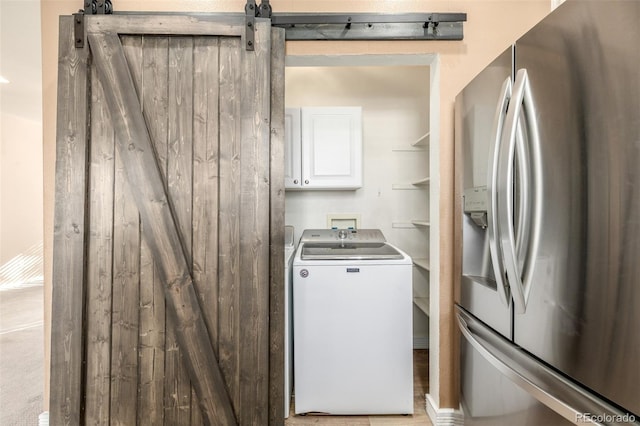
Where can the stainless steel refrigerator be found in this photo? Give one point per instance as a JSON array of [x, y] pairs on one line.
[[549, 298]]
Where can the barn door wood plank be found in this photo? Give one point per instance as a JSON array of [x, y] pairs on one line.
[[205, 187], [254, 224], [180, 159], [162, 236], [206, 145], [154, 100], [223, 25], [229, 217], [99, 260], [126, 279], [151, 342], [179, 191], [125, 299], [68, 296], [276, 242]]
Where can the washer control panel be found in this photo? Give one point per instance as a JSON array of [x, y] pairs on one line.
[[333, 235]]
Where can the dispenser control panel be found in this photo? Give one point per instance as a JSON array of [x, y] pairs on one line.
[[352, 235], [476, 205]]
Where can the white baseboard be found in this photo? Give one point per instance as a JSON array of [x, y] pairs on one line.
[[420, 342], [443, 416]]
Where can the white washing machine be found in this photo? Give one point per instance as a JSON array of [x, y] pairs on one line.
[[289, 251], [352, 316]]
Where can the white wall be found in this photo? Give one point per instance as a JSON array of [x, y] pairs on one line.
[[21, 197], [395, 112], [21, 185]]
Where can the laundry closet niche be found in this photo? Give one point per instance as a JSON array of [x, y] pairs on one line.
[[394, 196]]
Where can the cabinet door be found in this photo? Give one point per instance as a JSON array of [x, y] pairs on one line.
[[332, 147], [292, 140]]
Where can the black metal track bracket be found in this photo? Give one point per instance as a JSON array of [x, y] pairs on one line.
[[322, 26], [370, 26], [251, 12], [91, 7]]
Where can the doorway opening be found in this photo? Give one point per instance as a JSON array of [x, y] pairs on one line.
[[399, 97]]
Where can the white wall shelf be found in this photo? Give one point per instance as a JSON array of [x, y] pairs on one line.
[[422, 182], [422, 303], [408, 149], [422, 223], [422, 140], [404, 187], [402, 225], [422, 263], [412, 224], [413, 186]]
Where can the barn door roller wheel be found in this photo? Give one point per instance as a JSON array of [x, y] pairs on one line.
[[91, 7], [251, 12]]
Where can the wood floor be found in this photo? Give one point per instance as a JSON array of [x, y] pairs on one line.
[[420, 389]]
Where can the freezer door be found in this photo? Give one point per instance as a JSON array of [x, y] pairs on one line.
[[583, 311], [488, 398], [503, 385], [479, 111]]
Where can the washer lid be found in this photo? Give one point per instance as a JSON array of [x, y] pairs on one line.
[[349, 251]]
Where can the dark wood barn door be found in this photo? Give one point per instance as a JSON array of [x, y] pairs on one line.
[[168, 269]]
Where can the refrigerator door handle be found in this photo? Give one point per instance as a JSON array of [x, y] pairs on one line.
[[550, 388], [524, 212], [519, 276], [492, 182]]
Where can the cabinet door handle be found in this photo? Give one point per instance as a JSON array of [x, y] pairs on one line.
[[306, 182], [295, 181]]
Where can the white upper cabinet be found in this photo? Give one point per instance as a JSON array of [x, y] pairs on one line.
[[329, 148], [292, 148]]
